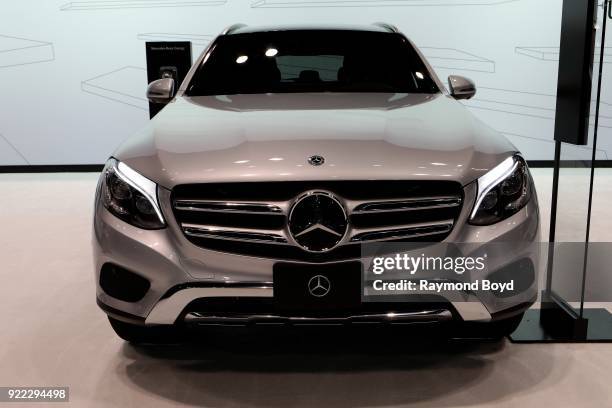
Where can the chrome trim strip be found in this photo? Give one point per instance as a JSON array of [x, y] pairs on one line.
[[425, 316], [167, 310], [411, 204], [389, 27], [234, 234], [233, 207], [233, 28], [402, 231]]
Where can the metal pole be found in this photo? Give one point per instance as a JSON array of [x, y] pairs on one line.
[[593, 157], [553, 218]]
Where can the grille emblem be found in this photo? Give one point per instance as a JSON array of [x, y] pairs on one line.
[[319, 286], [316, 160], [317, 221]]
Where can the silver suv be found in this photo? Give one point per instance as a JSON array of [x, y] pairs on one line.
[[249, 197]]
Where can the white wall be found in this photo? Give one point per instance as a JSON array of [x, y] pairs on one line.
[[68, 68]]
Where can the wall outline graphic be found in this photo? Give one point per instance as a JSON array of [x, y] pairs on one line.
[[126, 85], [126, 4], [374, 3], [17, 51]]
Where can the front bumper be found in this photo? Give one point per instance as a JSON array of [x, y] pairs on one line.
[[180, 272]]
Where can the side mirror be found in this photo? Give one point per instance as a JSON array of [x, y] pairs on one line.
[[161, 91], [461, 87]]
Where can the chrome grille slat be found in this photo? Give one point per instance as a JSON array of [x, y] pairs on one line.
[[228, 207], [234, 234], [402, 232], [425, 316], [412, 204]]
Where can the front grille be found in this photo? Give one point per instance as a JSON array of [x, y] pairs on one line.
[[251, 218]]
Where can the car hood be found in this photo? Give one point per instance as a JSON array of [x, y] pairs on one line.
[[270, 137]]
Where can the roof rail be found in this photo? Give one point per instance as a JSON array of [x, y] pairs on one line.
[[389, 27], [233, 28]]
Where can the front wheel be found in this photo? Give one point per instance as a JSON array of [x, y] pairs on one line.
[[136, 334]]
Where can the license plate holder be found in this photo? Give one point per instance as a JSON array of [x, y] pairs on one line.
[[333, 287]]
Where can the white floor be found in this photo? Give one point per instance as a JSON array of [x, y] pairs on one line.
[[53, 334]]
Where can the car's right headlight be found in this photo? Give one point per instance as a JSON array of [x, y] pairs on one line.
[[502, 192], [130, 196]]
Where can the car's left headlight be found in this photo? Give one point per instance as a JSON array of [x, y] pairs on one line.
[[502, 192], [130, 196]]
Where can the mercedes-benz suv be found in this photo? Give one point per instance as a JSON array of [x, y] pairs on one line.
[[282, 155]]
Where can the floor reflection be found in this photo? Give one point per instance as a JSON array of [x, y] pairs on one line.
[[316, 367]]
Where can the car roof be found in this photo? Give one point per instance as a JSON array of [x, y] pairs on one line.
[[244, 29]]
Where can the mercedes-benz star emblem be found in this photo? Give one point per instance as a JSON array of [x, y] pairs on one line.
[[319, 286], [316, 160], [317, 221]]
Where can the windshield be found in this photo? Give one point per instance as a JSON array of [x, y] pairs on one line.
[[311, 61]]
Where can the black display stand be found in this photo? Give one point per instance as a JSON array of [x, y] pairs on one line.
[[557, 320], [167, 59], [533, 330]]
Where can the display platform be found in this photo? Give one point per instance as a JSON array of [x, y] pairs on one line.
[[531, 329]]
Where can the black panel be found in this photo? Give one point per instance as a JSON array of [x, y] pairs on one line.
[[123, 284], [575, 71], [342, 290]]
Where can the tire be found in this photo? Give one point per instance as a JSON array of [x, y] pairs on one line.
[[493, 330], [136, 334]]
